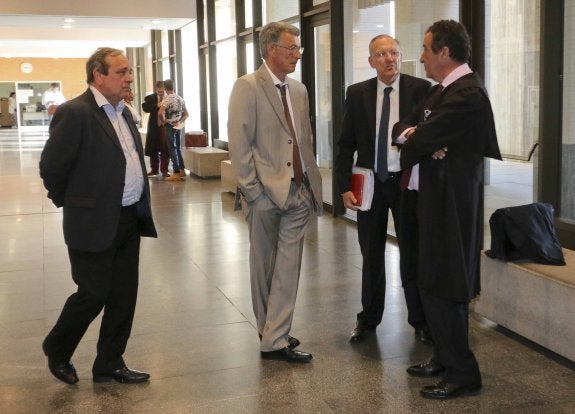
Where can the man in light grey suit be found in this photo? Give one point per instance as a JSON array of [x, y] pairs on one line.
[[271, 148]]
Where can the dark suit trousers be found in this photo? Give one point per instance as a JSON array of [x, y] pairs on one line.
[[372, 234], [449, 325], [106, 280], [408, 238], [160, 158]]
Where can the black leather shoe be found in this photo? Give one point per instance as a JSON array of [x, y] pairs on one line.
[[424, 336], [426, 369], [287, 354], [124, 375], [445, 390], [64, 371], [361, 333], [293, 342]]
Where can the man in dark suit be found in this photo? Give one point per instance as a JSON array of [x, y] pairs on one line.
[[364, 105], [456, 122], [93, 167], [156, 147]]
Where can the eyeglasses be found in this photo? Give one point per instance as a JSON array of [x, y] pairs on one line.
[[385, 53], [292, 49]]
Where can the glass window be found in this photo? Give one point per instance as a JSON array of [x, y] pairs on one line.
[[316, 2], [225, 18], [512, 72], [248, 13], [190, 69], [209, 102], [165, 58], [227, 74], [567, 211], [274, 10], [206, 22], [250, 56]]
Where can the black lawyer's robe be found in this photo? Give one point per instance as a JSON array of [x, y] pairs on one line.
[[153, 138], [450, 203]]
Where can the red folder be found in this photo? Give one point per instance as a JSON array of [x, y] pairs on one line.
[[362, 182], [357, 185]]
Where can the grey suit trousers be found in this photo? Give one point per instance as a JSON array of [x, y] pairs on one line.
[[276, 245]]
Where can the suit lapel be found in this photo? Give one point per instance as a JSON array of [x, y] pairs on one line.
[[102, 118], [370, 103], [405, 96], [271, 92]]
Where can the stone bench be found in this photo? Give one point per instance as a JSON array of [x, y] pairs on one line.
[[229, 182], [204, 161], [536, 301]]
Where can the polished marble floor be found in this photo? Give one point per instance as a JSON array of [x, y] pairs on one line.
[[194, 327]]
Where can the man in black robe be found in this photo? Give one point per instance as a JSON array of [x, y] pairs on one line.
[[444, 142]]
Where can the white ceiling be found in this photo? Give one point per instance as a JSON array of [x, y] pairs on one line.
[[45, 36]]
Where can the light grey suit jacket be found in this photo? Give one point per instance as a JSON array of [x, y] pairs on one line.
[[260, 141]]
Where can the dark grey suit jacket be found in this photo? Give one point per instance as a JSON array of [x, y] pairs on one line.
[[359, 123], [83, 168]]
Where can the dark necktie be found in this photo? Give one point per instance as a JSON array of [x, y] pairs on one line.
[[406, 174], [297, 168], [382, 137]]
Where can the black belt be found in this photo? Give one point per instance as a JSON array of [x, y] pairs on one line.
[[394, 174]]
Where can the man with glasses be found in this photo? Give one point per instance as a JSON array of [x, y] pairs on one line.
[[279, 184], [371, 109]]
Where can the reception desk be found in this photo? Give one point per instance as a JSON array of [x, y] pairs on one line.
[[34, 118]]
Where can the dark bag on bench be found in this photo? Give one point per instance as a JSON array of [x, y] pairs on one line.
[[525, 232]]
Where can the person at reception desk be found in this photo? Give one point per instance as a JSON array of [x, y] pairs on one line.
[[12, 109], [52, 98]]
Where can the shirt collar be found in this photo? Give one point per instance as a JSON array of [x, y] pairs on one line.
[[102, 101], [275, 79], [455, 74], [381, 85]]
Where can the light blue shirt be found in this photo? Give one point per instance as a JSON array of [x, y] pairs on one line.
[[134, 181]]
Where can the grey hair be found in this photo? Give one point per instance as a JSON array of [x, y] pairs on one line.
[[382, 36], [271, 33]]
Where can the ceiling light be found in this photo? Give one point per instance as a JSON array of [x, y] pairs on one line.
[[156, 22], [69, 20], [66, 26]]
